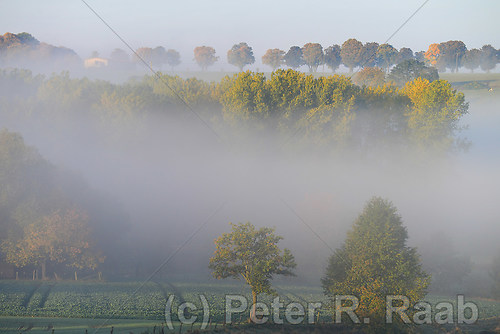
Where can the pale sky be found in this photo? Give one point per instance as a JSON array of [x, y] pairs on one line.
[[263, 24]]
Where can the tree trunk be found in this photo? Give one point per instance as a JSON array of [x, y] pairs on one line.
[[254, 302], [76, 276], [44, 277]]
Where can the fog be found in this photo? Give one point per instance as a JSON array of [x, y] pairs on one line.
[[173, 174]]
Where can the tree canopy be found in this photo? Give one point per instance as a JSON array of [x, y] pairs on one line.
[[375, 262], [332, 57], [273, 58], [240, 55], [351, 53], [410, 70], [294, 57], [252, 254], [205, 56], [312, 53]]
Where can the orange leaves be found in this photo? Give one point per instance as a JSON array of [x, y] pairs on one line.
[[432, 54]]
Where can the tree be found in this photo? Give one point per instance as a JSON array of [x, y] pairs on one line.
[[472, 59], [488, 58], [432, 54], [450, 55], [370, 76], [386, 56], [172, 58], [240, 55], [420, 56], [312, 54], [273, 58], [294, 57], [158, 56], [205, 56], [253, 255], [59, 238], [144, 54], [404, 54], [350, 53], [375, 262], [436, 108], [411, 69], [332, 57], [368, 56]]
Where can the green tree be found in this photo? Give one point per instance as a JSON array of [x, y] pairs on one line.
[[472, 59], [158, 56], [273, 58], [240, 55], [488, 58], [386, 56], [434, 114], [205, 56], [368, 56], [332, 57], [172, 58], [312, 54], [252, 254], [294, 57], [351, 53], [411, 69], [451, 54], [404, 54], [375, 262], [370, 76]]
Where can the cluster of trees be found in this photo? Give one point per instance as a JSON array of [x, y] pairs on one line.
[[25, 51], [49, 218], [454, 55], [374, 261], [329, 113]]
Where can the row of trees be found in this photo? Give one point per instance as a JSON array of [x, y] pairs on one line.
[[450, 55], [24, 50]]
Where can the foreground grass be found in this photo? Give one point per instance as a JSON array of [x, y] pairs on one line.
[[74, 307], [39, 325]]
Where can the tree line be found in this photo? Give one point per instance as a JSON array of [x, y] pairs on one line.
[[23, 49], [451, 55]]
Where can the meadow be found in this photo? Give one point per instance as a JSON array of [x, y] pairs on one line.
[[131, 307]]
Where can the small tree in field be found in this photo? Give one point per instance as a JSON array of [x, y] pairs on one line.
[[253, 255], [375, 262]]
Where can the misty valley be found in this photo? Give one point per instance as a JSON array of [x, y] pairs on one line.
[[259, 202]]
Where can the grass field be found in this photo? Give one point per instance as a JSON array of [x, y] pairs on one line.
[[73, 307]]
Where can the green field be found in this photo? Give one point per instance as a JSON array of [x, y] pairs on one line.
[[73, 307]]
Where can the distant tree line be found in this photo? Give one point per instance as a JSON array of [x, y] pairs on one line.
[[19, 49]]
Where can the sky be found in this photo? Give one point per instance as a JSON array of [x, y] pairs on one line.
[[263, 24]]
